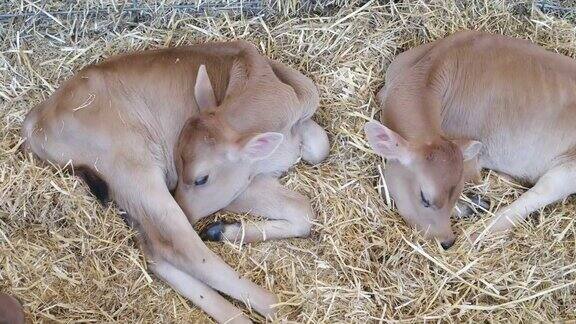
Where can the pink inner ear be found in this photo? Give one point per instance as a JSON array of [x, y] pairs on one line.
[[260, 144], [262, 141], [383, 137]]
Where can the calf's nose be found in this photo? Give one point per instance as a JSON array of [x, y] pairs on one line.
[[447, 244]]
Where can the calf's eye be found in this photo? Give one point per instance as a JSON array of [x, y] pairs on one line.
[[423, 200], [201, 180]]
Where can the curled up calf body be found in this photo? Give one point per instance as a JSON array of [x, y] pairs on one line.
[[471, 101], [213, 123]]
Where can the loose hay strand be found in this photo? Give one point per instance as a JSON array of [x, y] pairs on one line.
[[69, 259]]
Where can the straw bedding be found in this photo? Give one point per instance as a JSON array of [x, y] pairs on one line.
[[69, 259]]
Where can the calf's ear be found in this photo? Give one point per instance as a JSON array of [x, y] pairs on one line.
[[261, 146], [203, 91], [387, 143], [470, 148]]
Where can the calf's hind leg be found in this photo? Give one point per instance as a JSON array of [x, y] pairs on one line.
[[554, 185], [288, 213]]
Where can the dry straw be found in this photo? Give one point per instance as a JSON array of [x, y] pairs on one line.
[[69, 259]]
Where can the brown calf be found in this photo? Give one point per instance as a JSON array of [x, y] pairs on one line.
[[216, 123], [11, 311], [470, 101]]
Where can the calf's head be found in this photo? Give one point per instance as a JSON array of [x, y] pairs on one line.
[[214, 162], [424, 179]]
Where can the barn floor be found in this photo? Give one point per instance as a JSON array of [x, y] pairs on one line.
[[68, 259]]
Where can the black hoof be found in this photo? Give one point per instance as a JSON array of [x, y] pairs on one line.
[[212, 232], [479, 203], [447, 244]]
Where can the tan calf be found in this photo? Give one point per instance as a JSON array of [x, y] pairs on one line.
[[470, 101], [215, 124], [11, 311]]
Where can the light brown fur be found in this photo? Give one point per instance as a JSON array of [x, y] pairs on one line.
[[146, 122], [515, 98]]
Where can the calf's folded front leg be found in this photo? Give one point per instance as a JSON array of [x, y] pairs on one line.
[[464, 209], [289, 214], [556, 184]]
